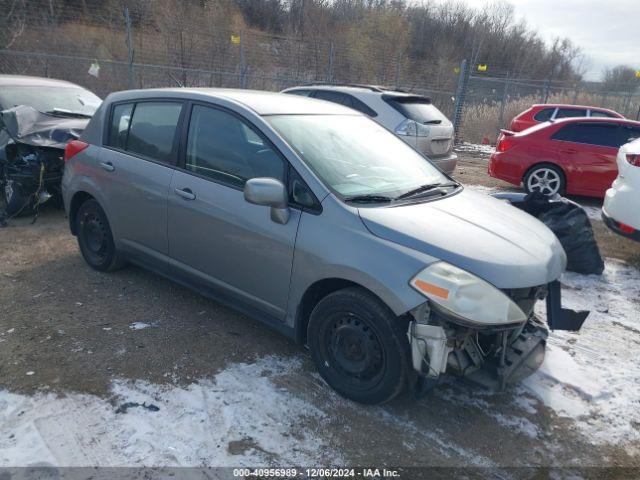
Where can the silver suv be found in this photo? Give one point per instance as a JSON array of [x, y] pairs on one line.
[[412, 117], [316, 220]]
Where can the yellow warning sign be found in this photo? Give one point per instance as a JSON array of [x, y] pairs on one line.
[[235, 39], [482, 67]]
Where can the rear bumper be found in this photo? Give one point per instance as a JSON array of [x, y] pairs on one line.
[[501, 168], [618, 228]]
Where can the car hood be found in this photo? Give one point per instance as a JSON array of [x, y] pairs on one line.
[[28, 126], [473, 231]]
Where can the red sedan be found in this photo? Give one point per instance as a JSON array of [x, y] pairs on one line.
[[549, 111], [572, 156]]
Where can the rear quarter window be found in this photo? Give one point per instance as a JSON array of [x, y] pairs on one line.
[[544, 114], [119, 125]]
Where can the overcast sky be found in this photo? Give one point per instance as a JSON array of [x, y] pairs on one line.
[[607, 31]]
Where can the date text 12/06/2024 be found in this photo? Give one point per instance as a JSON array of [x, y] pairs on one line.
[[316, 473]]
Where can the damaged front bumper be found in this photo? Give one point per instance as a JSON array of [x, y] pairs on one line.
[[491, 356]]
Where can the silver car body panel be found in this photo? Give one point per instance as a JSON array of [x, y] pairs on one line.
[[230, 249]]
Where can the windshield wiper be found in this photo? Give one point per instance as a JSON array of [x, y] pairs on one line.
[[430, 187], [67, 113], [368, 199], [432, 122]]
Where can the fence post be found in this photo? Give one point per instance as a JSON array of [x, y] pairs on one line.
[[127, 23], [638, 114], [547, 86], [398, 61], [241, 60], [461, 91], [330, 73], [505, 92]]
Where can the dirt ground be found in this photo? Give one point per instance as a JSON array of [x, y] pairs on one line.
[[72, 331]]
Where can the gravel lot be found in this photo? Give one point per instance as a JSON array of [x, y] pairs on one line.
[[75, 344]]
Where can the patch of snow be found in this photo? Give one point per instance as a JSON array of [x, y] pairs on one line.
[[593, 375], [139, 325], [475, 149], [240, 418]]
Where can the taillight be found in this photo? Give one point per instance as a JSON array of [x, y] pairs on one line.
[[73, 148], [633, 159], [505, 143], [624, 228], [408, 128]]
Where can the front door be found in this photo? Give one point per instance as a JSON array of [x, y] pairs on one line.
[[215, 236]]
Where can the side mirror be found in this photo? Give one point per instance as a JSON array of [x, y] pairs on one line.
[[270, 193]]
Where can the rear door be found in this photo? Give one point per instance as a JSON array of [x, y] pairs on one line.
[[588, 151], [216, 238], [137, 165]]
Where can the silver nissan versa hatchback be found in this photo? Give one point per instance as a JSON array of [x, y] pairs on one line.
[[318, 221]]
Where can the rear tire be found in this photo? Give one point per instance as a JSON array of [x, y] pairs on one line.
[[359, 346], [546, 179], [95, 238]]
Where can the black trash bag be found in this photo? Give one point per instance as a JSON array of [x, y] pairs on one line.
[[571, 225]]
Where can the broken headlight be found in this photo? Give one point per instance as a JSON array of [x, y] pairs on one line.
[[465, 296]]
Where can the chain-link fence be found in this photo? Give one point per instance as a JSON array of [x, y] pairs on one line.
[[123, 50]]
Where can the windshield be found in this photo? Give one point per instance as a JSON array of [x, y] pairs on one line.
[[355, 156], [51, 99]]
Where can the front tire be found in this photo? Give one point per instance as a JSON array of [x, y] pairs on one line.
[[95, 238], [546, 179], [359, 346]]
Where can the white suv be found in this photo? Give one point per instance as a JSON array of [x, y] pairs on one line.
[[620, 210], [412, 117]]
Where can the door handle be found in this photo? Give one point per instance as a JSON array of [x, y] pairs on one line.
[[184, 193], [108, 166], [569, 150]]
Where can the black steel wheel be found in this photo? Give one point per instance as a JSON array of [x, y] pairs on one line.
[[95, 238], [359, 346]]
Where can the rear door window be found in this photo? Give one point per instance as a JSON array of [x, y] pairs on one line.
[[416, 108], [153, 130], [302, 93], [571, 112], [335, 97], [544, 114], [600, 134], [361, 106]]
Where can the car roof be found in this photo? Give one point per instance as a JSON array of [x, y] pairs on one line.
[[370, 89], [622, 121], [569, 105], [564, 121], [24, 80], [261, 102]]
